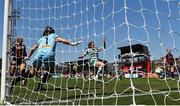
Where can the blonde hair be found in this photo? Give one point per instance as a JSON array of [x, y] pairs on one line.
[[19, 38]]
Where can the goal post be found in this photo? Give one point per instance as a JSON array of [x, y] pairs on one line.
[[6, 31]]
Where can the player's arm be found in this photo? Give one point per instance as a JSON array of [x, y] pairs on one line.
[[62, 40], [80, 57], [100, 49], [67, 42], [103, 44], [33, 49], [104, 41], [84, 54], [24, 51]]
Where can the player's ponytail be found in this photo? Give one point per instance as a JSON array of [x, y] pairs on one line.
[[48, 30]]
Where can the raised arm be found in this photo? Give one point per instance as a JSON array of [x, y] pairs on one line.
[[100, 49]]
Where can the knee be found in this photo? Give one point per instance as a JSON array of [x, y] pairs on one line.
[[32, 71], [102, 64], [12, 69], [22, 66]]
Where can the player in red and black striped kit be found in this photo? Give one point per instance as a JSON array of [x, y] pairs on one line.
[[170, 62], [18, 53]]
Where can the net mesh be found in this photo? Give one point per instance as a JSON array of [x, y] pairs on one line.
[[135, 31]]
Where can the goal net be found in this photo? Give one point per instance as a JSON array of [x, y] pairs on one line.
[[135, 36]]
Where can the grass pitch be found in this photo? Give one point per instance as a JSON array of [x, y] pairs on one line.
[[107, 91]]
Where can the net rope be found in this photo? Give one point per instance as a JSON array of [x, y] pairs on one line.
[[153, 23]]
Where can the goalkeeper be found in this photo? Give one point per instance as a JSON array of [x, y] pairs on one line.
[[45, 53], [92, 51]]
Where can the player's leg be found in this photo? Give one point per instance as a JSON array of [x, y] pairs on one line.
[[22, 69], [27, 74], [168, 70], [32, 71], [18, 73], [49, 64], [22, 66], [100, 65], [50, 68], [172, 71], [13, 68]]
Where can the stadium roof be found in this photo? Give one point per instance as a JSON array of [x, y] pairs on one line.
[[136, 48]]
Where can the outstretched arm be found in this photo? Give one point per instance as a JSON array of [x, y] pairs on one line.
[[67, 42], [84, 54], [80, 57], [62, 40]]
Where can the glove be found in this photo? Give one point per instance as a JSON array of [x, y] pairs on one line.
[[27, 58], [76, 43]]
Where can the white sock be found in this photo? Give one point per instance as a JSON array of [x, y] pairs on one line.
[[98, 72]]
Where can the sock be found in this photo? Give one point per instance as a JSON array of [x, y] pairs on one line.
[[14, 82], [44, 79], [25, 74], [19, 77], [172, 74], [98, 72]]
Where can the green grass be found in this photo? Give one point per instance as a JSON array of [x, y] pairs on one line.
[[108, 92]]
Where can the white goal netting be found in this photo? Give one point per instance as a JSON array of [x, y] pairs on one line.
[[136, 34]]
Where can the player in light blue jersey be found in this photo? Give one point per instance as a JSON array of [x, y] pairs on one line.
[[92, 52], [45, 54]]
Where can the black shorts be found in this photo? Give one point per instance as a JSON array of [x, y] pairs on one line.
[[18, 61], [169, 64]]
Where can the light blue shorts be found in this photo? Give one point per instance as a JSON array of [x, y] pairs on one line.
[[48, 61]]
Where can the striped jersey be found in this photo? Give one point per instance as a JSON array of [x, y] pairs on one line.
[[92, 53]]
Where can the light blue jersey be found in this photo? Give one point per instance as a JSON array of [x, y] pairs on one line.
[[47, 46], [46, 50]]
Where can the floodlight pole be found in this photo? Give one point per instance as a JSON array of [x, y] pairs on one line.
[[6, 24]]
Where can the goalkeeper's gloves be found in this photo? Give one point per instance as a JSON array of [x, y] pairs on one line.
[[27, 58], [76, 43]]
